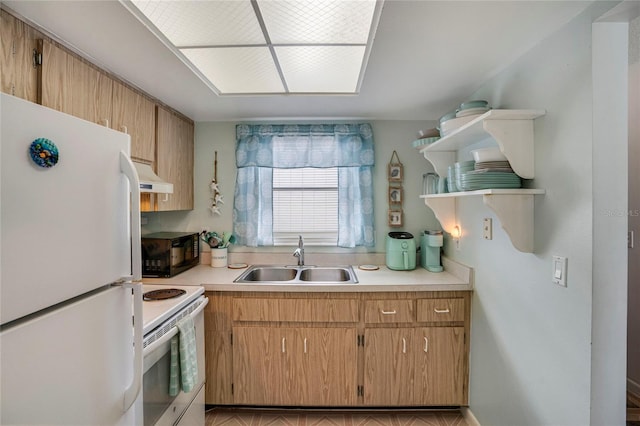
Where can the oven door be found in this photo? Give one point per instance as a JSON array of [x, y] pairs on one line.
[[159, 407]]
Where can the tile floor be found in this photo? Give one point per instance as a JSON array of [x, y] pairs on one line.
[[254, 417]]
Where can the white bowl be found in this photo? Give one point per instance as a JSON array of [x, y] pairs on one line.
[[488, 154]]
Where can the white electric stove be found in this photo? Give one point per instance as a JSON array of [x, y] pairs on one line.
[[155, 312], [161, 318]]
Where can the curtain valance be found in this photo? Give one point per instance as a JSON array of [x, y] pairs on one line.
[[311, 145]]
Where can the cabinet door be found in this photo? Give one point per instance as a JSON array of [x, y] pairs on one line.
[[175, 160], [18, 76], [135, 115], [72, 86], [439, 360], [260, 359], [325, 367], [388, 366]]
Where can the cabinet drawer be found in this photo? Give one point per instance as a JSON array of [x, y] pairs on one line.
[[434, 310], [296, 310], [387, 311]]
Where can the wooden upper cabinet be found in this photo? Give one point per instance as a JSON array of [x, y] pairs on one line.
[[174, 163], [18, 75], [134, 114], [70, 85]]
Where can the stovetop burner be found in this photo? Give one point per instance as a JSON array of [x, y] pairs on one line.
[[163, 294]]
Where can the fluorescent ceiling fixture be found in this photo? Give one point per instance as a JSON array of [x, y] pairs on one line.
[[268, 46]]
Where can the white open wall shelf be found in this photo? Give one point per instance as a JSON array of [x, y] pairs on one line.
[[513, 132]]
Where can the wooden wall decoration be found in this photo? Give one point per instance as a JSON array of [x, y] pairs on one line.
[[395, 175]]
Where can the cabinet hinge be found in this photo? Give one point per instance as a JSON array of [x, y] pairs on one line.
[[37, 58]]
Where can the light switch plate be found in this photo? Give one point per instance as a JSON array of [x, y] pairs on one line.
[[487, 228], [559, 270]]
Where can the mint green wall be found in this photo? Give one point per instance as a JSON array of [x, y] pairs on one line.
[[220, 136], [633, 342], [531, 339]]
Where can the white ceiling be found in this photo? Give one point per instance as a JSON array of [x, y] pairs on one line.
[[427, 57]]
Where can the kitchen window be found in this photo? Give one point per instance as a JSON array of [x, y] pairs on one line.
[[310, 180], [305, 201]]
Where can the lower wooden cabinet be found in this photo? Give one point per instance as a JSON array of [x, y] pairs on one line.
[[295, 366], [440, 361], [414, 366], [342, 350], [389, 366]]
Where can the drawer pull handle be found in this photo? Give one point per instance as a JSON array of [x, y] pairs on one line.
[[283, 345], [388, 312], [426, 345], [441, 311], [404, 345], [305, 345]]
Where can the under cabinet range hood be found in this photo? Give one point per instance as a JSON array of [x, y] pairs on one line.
[[151, 182]]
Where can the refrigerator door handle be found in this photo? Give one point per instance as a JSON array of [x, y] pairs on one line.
[[129, 170], [131, 393]]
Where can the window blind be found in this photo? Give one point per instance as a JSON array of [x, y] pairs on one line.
[[305, 202]]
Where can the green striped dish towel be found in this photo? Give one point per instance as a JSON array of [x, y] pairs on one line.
[[184, 359]]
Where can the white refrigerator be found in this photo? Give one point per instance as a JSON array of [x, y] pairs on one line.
[[70, 331]]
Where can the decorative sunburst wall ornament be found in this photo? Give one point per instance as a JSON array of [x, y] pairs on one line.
[[214, 186]]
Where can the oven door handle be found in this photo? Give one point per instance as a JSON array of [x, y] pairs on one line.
[[167, 336]]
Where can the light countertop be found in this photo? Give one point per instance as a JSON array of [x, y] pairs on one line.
[[456, 277]]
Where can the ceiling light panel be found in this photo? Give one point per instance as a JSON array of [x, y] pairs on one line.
[[237, 69], [267, 46], [318, 21], [204, 23], [321, 69]]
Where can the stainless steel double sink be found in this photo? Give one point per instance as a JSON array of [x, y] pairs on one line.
[[272, 274]]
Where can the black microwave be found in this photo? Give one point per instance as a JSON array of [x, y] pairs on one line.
[[165, 254]]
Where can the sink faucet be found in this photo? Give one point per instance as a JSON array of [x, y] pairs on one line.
[[299, 253]]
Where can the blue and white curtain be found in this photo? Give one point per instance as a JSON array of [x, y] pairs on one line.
[[260, 148]]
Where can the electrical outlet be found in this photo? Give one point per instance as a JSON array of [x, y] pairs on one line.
[[487, 228], [456, 235]]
